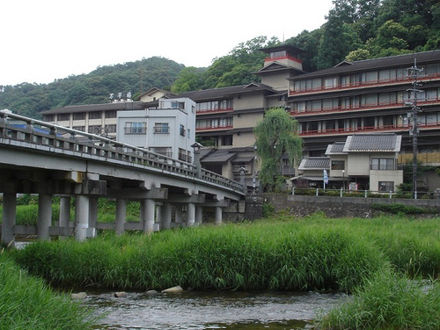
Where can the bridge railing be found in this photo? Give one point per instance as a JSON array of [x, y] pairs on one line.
[[24, 129]]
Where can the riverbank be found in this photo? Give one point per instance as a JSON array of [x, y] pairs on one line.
[[376, 259], [28, 303]]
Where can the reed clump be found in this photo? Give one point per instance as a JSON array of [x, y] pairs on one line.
[[388, 301], [281, 256], [27, 303]]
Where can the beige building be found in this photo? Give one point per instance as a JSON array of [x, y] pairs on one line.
[[362, 162]]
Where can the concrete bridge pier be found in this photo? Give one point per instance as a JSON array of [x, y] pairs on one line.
[[9, 219], [44, 216], [121, 214], [149, 211], [64, 217], [81, 217], [93, 215], [218, 215], [199, 215], [177, 215], [166, 214], [191, 214]]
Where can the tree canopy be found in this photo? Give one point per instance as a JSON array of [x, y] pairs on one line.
[[277, 137]]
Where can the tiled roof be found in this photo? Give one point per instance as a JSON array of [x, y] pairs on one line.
[[315, 163], [224, 92], [335, 148], [375, 63], [102, 107], [218, 156], [373, 143]]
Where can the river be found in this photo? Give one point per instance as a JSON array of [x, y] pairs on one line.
[[211, 310]]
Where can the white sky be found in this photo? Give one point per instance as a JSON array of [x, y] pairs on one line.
[[43, 40]]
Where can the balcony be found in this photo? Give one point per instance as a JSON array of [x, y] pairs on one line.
[[210, 111], [370, 129], [379, 106], [213, 128], [364, 84]]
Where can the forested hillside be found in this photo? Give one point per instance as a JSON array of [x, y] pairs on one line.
[[30, 99], [354, 30]]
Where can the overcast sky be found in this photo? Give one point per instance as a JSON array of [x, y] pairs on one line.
[[43, 40]]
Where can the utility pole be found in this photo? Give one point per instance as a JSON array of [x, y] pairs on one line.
[[413, 72]]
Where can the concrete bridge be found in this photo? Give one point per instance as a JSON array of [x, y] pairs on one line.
[[49, 160]]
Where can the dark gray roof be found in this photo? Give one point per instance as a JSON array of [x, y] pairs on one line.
[[117, 106], [373, 142], [315, 163], [218, 156], [277, 67], [335, 148], [290, 49], [226, 92], [376, 63]]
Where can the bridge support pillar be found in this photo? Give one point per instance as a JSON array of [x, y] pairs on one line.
[[218, 215], [177, 215], [121, 213], [148, 213], [166, 216], [93, 214], [199, 215], [191, 215], [44, 216], [9, 216], [64, 218], [81, 217]]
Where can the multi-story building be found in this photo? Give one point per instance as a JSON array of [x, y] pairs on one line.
[[361, 162], [168, 129], [367, 96]]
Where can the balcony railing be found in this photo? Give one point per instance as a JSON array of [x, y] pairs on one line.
[[360, 84], [366, 129], [362, 107], [217, 128], [207, 111]]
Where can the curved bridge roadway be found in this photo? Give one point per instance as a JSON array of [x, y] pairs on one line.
[[46, 159]]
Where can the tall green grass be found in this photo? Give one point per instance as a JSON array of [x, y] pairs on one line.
[[388, 301], [283, 256], [27, 303]]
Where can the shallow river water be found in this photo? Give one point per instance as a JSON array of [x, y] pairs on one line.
[[213, 310]]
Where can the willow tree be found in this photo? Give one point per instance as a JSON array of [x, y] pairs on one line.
[[277, 136]]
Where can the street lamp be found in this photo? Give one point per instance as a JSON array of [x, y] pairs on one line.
[[197, 146]]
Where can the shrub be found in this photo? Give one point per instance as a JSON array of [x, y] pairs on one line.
[[396, 208]]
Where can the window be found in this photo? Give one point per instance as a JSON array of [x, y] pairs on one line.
[[110, 114], [110, 128], [94, 129], [63, 116], [178, 105], [95, 115], [182, 130], [135, 128], [338, 165], [280, 53], [184, 155], [382, 164], [161, 128], [330, 83], [79, 116], [386, 186], [49, 117], [79, 128]]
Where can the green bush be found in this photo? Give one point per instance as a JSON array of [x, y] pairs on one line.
[[397, 208], [268, 210]]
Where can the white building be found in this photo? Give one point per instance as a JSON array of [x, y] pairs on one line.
[[168, 129]]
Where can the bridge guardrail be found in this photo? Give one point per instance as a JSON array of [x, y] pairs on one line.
[[24, 129]]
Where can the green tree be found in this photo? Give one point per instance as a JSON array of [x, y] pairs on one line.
[[277, 136], [189, 79]]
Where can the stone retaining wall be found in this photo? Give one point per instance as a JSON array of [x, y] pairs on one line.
[[335, 207]]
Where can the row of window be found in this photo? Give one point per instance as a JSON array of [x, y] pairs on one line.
[[80, 116], [356, 79], [213, 105], [367, 100], [140, 128], [425, 119], [214, 123], [381, 164]]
